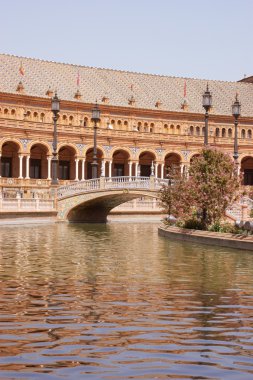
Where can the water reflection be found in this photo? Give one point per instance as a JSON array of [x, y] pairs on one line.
[[118, 302]]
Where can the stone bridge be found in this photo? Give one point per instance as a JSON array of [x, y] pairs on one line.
[[91, 201]]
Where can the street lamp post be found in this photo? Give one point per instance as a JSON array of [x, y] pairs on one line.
[[207, 104], [236, 112], [55, 109], [96, 119]]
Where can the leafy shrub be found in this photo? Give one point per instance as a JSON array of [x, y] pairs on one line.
[[193, 224]]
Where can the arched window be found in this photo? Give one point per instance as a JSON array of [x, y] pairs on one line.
[[13, 112], [230, 132], [197, 131], [191, 130], [249, 133], [35, 115], [178, 129], [126, 123], [42, 117], [6, 111], [243, 134], [203, 131], [217, 132], [223, 132], [71, 118], [172, 130], [85, 122], [64, 118]]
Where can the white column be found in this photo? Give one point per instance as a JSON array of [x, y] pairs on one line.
[[182, 168], [162, 171], [156, 170], [27, 167], [103, 168], [83, 169], [77, 162], [49, 167], [138, 169], [20, 166], [110, 168], [130, 168]]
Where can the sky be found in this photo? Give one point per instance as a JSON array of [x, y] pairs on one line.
[[186, 38]]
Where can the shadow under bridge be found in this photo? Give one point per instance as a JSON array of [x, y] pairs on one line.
[[91, 201]]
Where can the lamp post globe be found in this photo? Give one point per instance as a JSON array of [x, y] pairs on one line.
[[207, 104], [55, 107], [95, 117], [236, 112]]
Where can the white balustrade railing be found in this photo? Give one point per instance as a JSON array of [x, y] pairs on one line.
[[26, 204], [110, 183]]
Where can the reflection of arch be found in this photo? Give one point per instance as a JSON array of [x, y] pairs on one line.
[[247, 169], [89, 160], [10, 159], [38, 160], [67, 155], [120, 160]]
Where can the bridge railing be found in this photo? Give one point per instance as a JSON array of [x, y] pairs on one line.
[[111, 183]]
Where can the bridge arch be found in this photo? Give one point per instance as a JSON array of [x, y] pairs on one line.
[[94, 207]]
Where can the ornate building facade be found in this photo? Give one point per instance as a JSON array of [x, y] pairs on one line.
[[145, 119]]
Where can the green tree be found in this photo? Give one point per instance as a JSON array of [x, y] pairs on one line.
[[211, 188]]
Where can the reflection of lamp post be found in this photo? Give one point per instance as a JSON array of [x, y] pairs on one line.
[[236, 112], [96, 119], [55, 109], [207, 104]]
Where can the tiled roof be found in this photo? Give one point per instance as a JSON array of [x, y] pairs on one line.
[[120, 86]]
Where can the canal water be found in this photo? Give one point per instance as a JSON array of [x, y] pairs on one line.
[[117, 301]]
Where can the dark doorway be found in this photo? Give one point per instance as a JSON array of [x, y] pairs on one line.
[[6, 167], [248, 177], [64, 170], [35, 168]]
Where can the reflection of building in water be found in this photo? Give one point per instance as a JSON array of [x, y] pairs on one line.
[[145, 119]]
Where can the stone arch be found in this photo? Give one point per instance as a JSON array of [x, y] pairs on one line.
[[247, 169], [125, 149], [192, 155], [89, 160], [172, 161], [95, 206], [120, 159], [73, 146], [11, 139], [10, 153], [90, 146], [66, 167], [150, 150], [146, 158], [176, 152], [38, 164], [36, 142]]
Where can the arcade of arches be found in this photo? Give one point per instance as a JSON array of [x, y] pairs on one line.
[[37, 164]]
